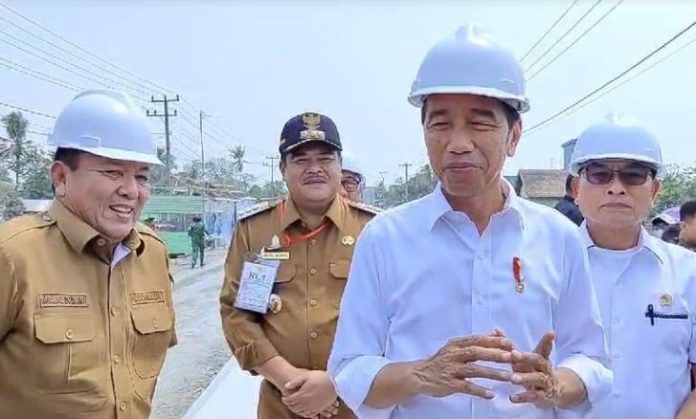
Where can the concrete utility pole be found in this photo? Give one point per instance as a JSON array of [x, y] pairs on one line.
[[166, 116], [406, 166], [273, 168]]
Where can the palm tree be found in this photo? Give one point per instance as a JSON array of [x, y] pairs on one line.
[[237, 153], [16, 126]]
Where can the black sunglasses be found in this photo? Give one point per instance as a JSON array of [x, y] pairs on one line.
[[634, 175]]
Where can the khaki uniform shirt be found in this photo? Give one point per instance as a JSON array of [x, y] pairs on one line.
[[310, 285], [80, 338]]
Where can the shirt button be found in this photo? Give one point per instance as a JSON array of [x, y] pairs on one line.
[[313, 271], [480, 256], [313, 242], [155, 324], [617, 321], [46, 218], [117, 359], [313, 335], [69, 334], [101, 242], [123, 406], [114, 311], [617, 355], [312, 302]]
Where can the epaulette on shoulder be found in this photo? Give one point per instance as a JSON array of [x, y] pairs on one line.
[[257, 209], [24, 223], [147, 231], [364, 207]]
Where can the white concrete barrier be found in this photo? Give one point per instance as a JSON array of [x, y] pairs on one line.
[[233, 394]]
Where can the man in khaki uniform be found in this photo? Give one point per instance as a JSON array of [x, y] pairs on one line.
[[86, 312], [312, 234]]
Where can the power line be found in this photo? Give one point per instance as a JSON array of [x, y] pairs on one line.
[[623, 82], [55, 57], [548, 30], [38, 75], [582, 35], [31, 111], [72, 44], [562, 37], [612, 80]]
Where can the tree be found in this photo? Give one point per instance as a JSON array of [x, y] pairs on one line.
[[11, 205], [37, 182], [16, 127], [237, 153], [678, 186], [158, 178]]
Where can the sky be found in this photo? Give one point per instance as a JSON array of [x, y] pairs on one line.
[[251, 65]]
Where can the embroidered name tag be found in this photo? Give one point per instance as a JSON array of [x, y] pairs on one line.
[[148, 297], [63, 300]]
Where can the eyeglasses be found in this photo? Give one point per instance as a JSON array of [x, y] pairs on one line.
[[634, 175]]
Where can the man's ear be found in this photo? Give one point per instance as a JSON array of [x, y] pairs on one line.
[[59, 174]]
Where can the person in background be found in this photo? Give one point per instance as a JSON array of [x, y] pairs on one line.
[[567, 205], [197, 233], [687, 231]]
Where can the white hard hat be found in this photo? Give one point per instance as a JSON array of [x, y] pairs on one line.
[[471, 62], [105, 123], [350, 163], [617, 137]]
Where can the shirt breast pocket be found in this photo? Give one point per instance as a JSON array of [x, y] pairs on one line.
[[68, 357], [670, 327], [338, 273], [153, 326]]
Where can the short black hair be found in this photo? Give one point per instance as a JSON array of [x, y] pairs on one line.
[[687, 210], [671, 234], [69, 156], [196, 218], [511, 114]]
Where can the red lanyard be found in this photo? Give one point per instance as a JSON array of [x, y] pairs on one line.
[[289, 240]]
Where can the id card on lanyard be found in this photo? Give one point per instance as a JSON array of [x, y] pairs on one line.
[[256, 285]]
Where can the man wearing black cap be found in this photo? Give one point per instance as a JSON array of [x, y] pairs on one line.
[[285, 274]]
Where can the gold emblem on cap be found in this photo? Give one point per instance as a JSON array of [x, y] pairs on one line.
[[665, 300], [312, 121], [348, 240], [275, 304]]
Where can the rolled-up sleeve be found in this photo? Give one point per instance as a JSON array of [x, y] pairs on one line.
[[243, 332], [358, 352], [580, 341]]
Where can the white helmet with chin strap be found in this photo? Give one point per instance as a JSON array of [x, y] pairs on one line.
[[471, 62], [105, 123]]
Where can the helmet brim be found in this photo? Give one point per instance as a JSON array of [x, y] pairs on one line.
[[519, 103]]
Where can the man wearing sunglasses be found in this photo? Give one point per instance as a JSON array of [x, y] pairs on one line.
[[646, 288]]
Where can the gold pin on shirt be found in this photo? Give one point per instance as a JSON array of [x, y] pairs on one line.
[[665, 300]]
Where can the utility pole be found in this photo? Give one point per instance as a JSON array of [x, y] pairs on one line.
[[202, 115], [273, 168], [406, 166], [166, 116]]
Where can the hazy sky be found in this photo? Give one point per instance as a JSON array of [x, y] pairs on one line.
[[254, 64]]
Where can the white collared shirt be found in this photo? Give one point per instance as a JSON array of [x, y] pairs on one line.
[[421, 275], [650, 359]]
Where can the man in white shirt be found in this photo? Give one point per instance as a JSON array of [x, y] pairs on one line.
[[458, 303], [646, 288]]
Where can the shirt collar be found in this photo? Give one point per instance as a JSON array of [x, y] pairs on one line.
[[335, 213], [79, 234], [645, 241], [438, 205]]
